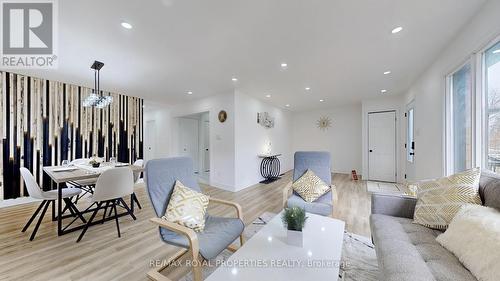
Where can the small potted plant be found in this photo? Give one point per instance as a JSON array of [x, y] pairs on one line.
[[294, 220], [94, 162]]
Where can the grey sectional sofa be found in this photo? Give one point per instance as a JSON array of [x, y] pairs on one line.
[[408, 251]]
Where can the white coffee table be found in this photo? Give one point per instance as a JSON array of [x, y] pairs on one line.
[[267, 256]]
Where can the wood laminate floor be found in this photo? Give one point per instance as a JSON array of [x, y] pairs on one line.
[[101, 255]]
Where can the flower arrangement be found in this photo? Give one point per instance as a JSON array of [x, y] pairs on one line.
[[93, 161], [294, 218]]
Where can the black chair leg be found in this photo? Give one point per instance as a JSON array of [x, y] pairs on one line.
[[65, 209], [105, 211], [76, 199], [116, 218], [73, 209], [136, 200], [89, 222], [53, 203], [130, 212], [39, 221], [110, 211], [33, 216]]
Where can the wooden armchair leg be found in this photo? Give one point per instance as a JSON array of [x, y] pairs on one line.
[[154, 273], [197, 266]]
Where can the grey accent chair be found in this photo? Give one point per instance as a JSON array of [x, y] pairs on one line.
[[219, 232], [319, 162]]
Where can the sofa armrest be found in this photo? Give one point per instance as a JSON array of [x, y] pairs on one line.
[[393, 205]]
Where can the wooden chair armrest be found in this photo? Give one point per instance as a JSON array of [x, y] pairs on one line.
[[235, 205], [286, 193], [177, 228], [334, 194]]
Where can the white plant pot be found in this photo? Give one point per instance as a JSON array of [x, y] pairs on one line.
[[294, 238]]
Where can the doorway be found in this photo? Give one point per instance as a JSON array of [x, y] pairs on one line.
[[382, 146], [410, 141], [150, 140], [194, 142]]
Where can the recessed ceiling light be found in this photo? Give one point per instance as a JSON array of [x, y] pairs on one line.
[[234, 79], [321, 100], [287, 105], [383, 91], [307, 88], [268, 96], [387, 72], [189, 93], [396, 30], [496, 51], [126, 25], [284, 65]]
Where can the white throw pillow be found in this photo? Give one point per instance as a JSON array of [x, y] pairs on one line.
[[439, 200], [187, 207], [310, 187], [474, 237]]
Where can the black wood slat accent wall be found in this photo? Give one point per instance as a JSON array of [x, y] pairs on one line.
[[44, 122]]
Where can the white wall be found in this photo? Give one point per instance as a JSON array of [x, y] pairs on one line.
[[251, 139], [342, 140], [429, 90], [388, 103], [160, 114]]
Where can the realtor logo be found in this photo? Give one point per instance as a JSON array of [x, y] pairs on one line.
[[28, 34]]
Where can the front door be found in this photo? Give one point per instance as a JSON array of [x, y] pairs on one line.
[[410, 141], [382, 146]]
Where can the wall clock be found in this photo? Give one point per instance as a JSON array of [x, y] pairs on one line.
[[324, 123], [222, 116]]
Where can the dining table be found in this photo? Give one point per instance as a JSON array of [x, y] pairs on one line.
[[60, 175]]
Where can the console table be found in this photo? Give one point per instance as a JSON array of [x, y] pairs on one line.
[[269, 167]]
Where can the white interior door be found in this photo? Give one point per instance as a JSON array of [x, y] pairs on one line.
[[188, 140], [382, 146], [150, 140], [206, 146], [410, 141]]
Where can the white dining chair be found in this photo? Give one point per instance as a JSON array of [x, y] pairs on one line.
[[110, 187], [137, 175], [47, 198]]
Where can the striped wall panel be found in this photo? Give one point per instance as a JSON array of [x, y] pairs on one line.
[[44, 122]]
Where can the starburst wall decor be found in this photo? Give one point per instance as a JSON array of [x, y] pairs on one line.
[[324, 123]]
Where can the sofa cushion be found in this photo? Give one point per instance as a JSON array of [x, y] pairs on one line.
[[219, 233], [322, 206], [489, 189], [408, 251]]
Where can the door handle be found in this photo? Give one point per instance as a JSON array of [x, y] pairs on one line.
[[371, 150]]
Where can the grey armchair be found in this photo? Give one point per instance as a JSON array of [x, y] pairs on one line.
[[219, 232], [319, 162]]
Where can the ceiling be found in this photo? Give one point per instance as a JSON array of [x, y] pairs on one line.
[[338, 48]]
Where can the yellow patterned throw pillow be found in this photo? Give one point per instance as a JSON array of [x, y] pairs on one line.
[[310, 187], [438, 201], [187, 207]]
